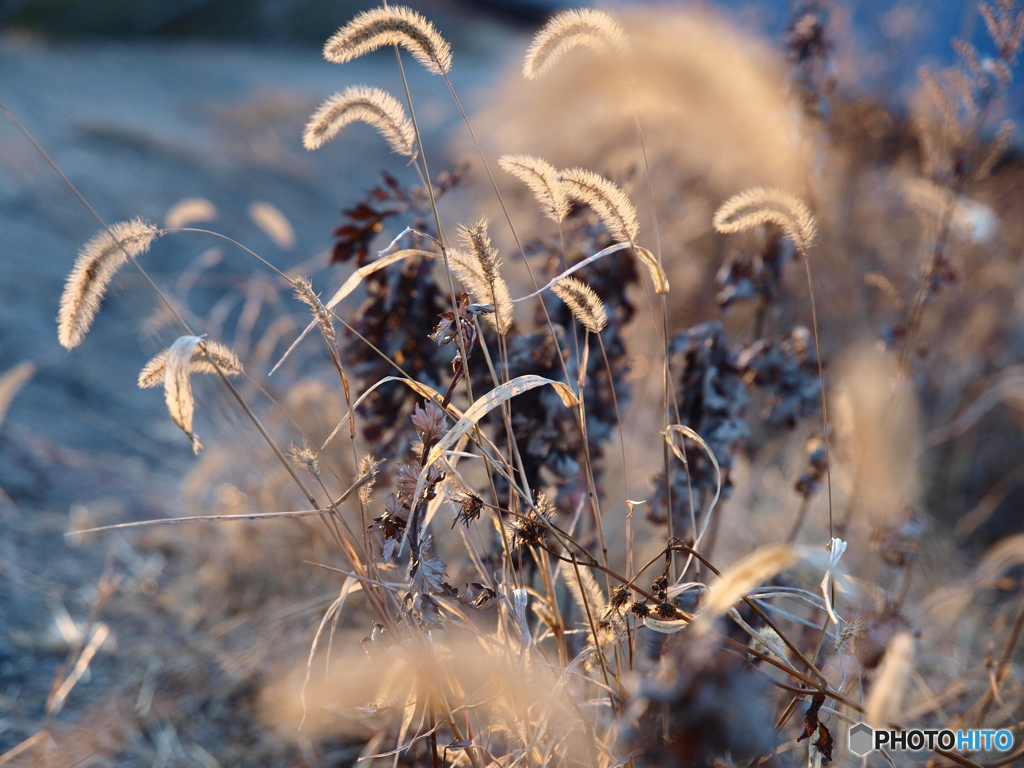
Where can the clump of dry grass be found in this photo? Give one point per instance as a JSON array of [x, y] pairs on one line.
[[566, 640]]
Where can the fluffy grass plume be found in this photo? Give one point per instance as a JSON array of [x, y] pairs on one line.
[[542, 179], [566, 30], [611, 204], [95, 267], [178, 385], [584, 304], [395, 25], [370, 105], [478, 271], [190, 211], [152, 375], [304, 293], [763, 205], [274, 223]]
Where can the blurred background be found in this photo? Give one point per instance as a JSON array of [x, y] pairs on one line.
[[144, 104]]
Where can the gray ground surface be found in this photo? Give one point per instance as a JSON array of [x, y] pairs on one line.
[[138, 128]]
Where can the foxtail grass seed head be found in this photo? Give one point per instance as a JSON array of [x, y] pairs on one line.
[[610, 203], [95, 267], [542, 180], [567, 30], [369, 105], [584, 304], [368, 468], [762, 205], [192, 210], [178, 386], [274, 223], [478, 270], [394, 25], [304, 293], [153, 374]]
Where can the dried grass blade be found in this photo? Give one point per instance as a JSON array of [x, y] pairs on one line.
[[482, 407], [423, 390], [886, 692], [351, 585], [201, 519], [657, 273], [351, 284], [688, 432], [99, 636], [614, 248], [665, 627], [737, 581]]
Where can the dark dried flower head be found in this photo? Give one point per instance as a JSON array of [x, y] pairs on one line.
[[394, 25], [619, 597], [659, 585], [640, 610], [468, 507], [530, 529], [666, 611]]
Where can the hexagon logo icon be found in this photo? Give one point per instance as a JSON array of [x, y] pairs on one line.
[[862, 739]]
